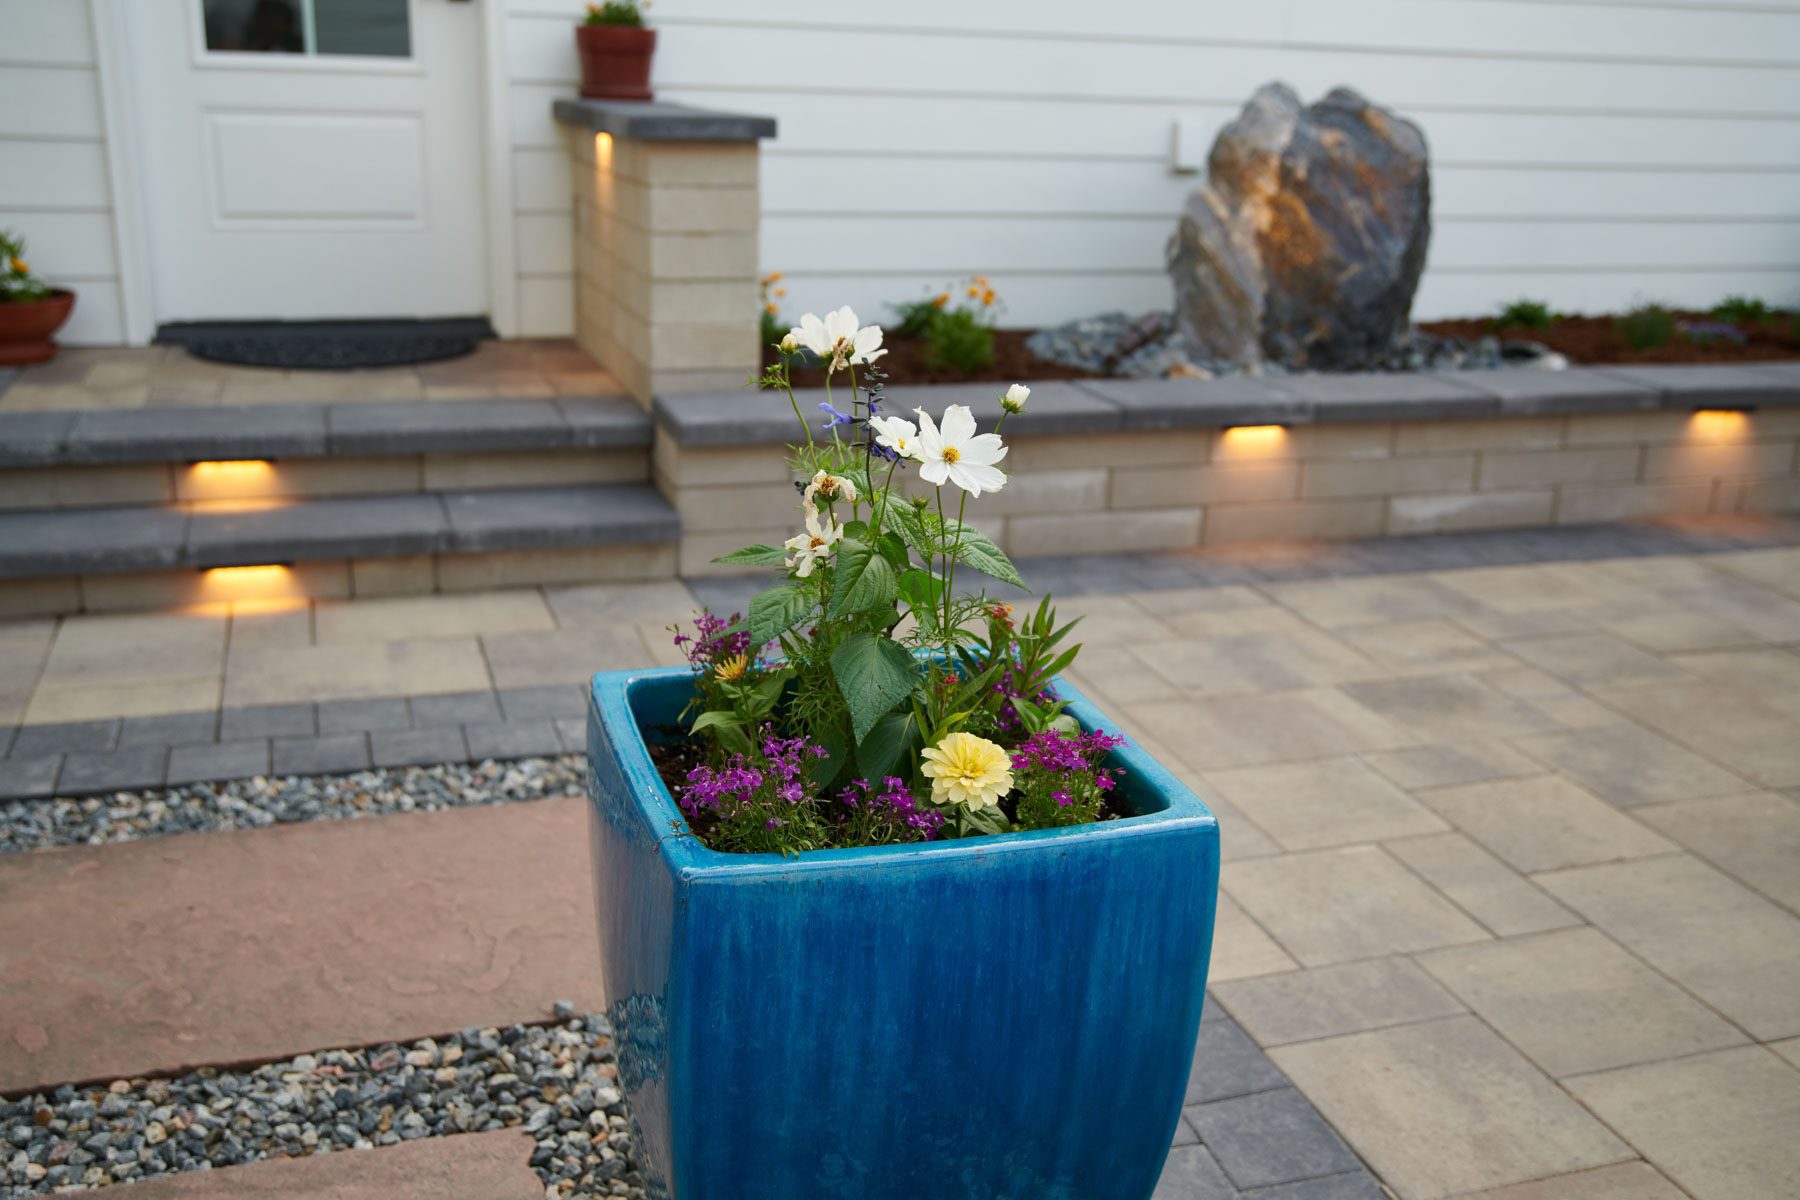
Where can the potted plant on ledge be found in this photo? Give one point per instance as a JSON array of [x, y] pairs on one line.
[[31, 311], [888, 909], [616, 50]]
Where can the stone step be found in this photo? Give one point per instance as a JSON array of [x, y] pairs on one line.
[[155, 956], [103, 540], [469, 1166], [303, 431]]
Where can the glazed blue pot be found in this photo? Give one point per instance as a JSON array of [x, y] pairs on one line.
[[1001, 1017]]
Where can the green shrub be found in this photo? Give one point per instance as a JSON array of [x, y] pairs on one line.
[[1741, 309], [957, 338], [1646, 327], [1525, 314], [617, 12], [915, 315]]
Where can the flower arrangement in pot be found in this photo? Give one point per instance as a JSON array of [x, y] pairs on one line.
[[887, 908], [31, 311], [616, 51]]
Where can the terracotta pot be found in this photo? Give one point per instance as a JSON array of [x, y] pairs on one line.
[[615, 61], [26, 326]]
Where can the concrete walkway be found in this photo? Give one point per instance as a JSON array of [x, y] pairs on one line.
[[1512, 891]]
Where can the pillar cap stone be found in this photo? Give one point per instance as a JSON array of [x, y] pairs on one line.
[[655, 121]]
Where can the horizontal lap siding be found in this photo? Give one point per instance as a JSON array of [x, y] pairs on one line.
[[54, 186], [1595, 155]]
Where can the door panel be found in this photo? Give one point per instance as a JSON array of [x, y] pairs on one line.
[[311, 158]]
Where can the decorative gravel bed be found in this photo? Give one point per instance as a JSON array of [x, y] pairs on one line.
[[273, 800], [557, 1081]]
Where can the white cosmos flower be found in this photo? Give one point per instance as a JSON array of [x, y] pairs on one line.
[[817, 542], [839, 339], [832, 487], [959, 454], [897, 434], [1014, 400]]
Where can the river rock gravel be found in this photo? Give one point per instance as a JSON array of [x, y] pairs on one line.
[[557, 1081], [275, 799]]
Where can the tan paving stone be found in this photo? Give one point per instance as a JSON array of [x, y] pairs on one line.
[[1572, 1001], [1329, 906], [1239, 620], [136, 648], [666, 602], [1121, 676], [1543, 822], [1626, 1181], [1770, 674], [353, 670], [1329, 1001], [252, 945], [1763, 611], [1239, 836], [1721, 1125], [402, 618], [1665, 630], [1595, 660], [1172, 604], [1452, 762], [1240, 948], [1325, 802], [1754, 837], [1630, 766], [1425, 647], [1445, 1107], [276, 624], [1778, 569], [562, 656], [102, 701], [469, 1166], [1234, 731], [1377, 600], [1727, 724], [1709, 933], [1110, 620], [1261, 662], [1481, 885], [1789, 1050], [1530, 587], [1449, 708]]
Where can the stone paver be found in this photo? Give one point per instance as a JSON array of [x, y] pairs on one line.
[[1754, 837], [1721, 1125], [470, 1166], [1445, 1106], [1481, 885], [1270, 1137], [1542, 822], [1241, 948], [227, 947], [1330, 802], [1625, 1181], [1326, 1001], [1630, 766]]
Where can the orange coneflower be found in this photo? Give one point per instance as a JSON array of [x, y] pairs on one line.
[[730, 670], [941, 299], [987, 297]]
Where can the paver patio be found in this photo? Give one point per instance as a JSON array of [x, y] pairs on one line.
[[1510, 850]]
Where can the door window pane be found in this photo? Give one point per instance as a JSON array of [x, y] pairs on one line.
[[357, 27]]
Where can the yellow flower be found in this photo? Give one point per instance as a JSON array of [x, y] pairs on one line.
[[969, 770], [732, 669], [21, 266], [941, 299]]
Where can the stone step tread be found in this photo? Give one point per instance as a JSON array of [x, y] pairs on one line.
[[468, 1166], [256, 945], [96, 540], [97, 437]]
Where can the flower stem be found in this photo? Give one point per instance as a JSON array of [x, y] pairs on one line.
[[950, 573], [787, 383]]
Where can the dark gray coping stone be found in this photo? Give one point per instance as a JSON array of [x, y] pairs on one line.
[[218, 760], [1190, 1173], [573, 732], [1699, 386], [548, 700], [22, 778], [1227, 1063], [454, 708], [554, 518], [418, 747], [350, 527], [1270, 1137], [1355, 1185], [68, 541], [1103, 405], [512, 739], [33, 439], [330, 755], [66, 736], [655, 121], [358, 716], [127, 769], [266, 720], [170, 729], [274, 431], [126, 435]]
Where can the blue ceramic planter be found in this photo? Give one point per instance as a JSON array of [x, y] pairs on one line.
[[1005, 1017]]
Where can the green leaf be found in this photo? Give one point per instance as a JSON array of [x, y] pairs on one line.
[[823, 771], [911, 525], [757, 556], [777, 610], [864, 579], [893, 548], [877, 753], [924, 595], [874, 674], [977, 549], [725, 727]]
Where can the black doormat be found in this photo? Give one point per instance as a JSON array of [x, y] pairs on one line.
[[326, 345]]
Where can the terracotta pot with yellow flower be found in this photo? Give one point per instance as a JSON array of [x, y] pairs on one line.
[[885, 903], [616, 51], [31, 311]]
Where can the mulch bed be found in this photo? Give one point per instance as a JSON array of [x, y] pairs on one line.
[[907, 361], [1595, 340]]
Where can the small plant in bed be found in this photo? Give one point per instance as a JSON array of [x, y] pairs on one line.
[[957, 325], [867, 698], [1647, 327], [1525, 314], [1741, 310]]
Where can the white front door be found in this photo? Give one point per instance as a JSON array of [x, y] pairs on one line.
[[311, 158]]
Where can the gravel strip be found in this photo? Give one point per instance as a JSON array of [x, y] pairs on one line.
[[557, 1081], [274, 800]]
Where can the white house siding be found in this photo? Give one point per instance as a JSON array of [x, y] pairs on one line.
[[1592, 154], [54, 182]]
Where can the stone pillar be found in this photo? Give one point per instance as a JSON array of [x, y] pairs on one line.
[[666, 217]]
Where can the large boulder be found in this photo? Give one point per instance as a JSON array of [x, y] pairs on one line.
[[1305, 246]]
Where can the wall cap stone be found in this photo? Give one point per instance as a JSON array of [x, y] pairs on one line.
[[655, 121]]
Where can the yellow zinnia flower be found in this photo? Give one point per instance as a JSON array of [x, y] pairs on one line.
[[732, 669], [969, 770]]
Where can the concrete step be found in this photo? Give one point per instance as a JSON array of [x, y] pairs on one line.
[[469, 1166], [260, 944], [103, 540]]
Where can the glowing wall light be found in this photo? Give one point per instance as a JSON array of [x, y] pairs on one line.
[[229, 479], [1251, 441], [1719, 424], [603, 150], [266, 581]]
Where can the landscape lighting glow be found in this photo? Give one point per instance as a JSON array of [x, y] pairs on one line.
[[1719, 424], [1254, 439], [263, 582]]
